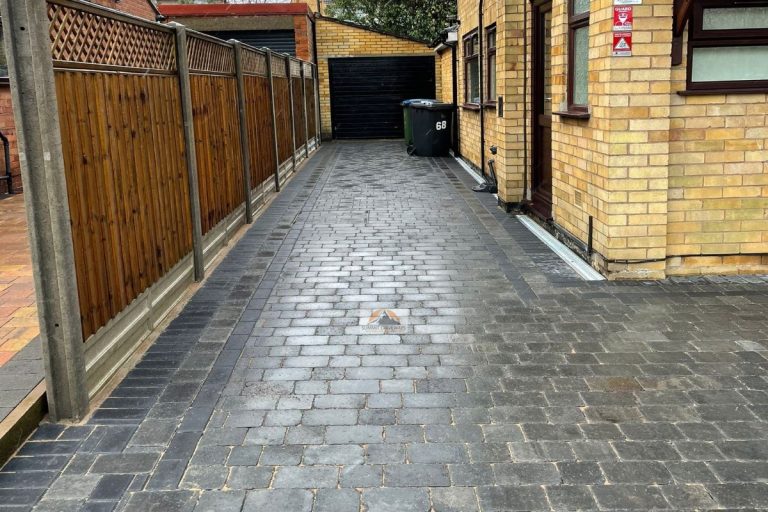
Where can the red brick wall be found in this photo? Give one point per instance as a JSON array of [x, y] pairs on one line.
[[140, 8], [302, 29], [9, 130]]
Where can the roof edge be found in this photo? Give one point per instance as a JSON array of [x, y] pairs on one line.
[[372, 29], [217, 10]]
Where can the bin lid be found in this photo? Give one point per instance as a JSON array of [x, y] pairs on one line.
[[414, 101], [433, 105]]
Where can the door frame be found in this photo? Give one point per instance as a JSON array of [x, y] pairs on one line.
[[537, 99]]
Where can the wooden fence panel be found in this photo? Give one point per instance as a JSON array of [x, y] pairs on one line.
[[311, 114], [217, 144], [298, 112], [283, 114], [130, 189], [215, 112], [123, 144], [260, 129]]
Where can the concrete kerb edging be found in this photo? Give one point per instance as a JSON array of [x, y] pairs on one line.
[[32, 410], [22, 421]]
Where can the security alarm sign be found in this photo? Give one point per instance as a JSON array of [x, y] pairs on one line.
[[622, 18], [622, 44]]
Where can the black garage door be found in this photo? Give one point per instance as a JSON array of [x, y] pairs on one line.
[[366, 93]]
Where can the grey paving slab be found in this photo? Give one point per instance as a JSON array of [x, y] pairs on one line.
[[384, 339]]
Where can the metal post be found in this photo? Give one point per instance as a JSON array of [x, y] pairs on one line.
[[244, 142], [274, 118], [189, 140], [33, 91], [293, 121], [304, 104]]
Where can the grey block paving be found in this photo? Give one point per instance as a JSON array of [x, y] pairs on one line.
[[508, 384]]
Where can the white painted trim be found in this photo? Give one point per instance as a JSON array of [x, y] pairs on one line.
[[564, 253], [469, 170]]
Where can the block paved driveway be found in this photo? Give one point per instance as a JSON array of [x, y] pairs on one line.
[[510, 384]]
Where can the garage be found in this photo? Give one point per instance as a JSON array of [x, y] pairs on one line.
[[366, 93]]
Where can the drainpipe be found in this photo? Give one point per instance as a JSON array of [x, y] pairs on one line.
[[525, 103], [481, 57], [455, 76]]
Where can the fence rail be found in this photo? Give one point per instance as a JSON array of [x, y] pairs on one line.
[[168, 139]]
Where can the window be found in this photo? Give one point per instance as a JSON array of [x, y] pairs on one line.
[[3, 63], [472, 68], [578, 55], [490, 38], [728, 46]]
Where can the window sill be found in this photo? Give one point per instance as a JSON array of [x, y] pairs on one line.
[[470, 106], [573, 114], [489, 104], [712, 92]]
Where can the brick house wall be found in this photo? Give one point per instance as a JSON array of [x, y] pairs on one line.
[[336, 40], [445, 78], [675, 184], [142, 8], [718, 182], [505, 132]]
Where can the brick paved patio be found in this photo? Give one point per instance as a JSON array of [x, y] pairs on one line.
[[508, 385], [21, 367], [18, 312]]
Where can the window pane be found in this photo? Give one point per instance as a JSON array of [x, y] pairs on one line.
[[547, 50], [3, 64], [580, 65], [472, 80], [492, 78], [735, 18], [731, 63], [580, 7]]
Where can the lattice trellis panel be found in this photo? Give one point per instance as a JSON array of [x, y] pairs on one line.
[[254, 63], [295, 68], [80, 36], [210, 57], [278, 65], [308, 70]]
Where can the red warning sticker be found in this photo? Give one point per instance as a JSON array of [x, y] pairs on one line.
[[622, 18], [622, 44]]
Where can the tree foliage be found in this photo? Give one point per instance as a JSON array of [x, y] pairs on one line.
[[420, 19]]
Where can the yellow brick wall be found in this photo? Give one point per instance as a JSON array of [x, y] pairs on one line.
[[445, 79], [676, 184], [505, 132], [718, 182], [337, 40], [614, 166]]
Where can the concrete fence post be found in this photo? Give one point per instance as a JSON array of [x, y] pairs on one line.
[[293, 120], [33, 90], [318, 117], [304, 106], [245, 144], [274, 118], [189, 140]]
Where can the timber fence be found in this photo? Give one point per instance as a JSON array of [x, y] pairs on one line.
[[151, 145]]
